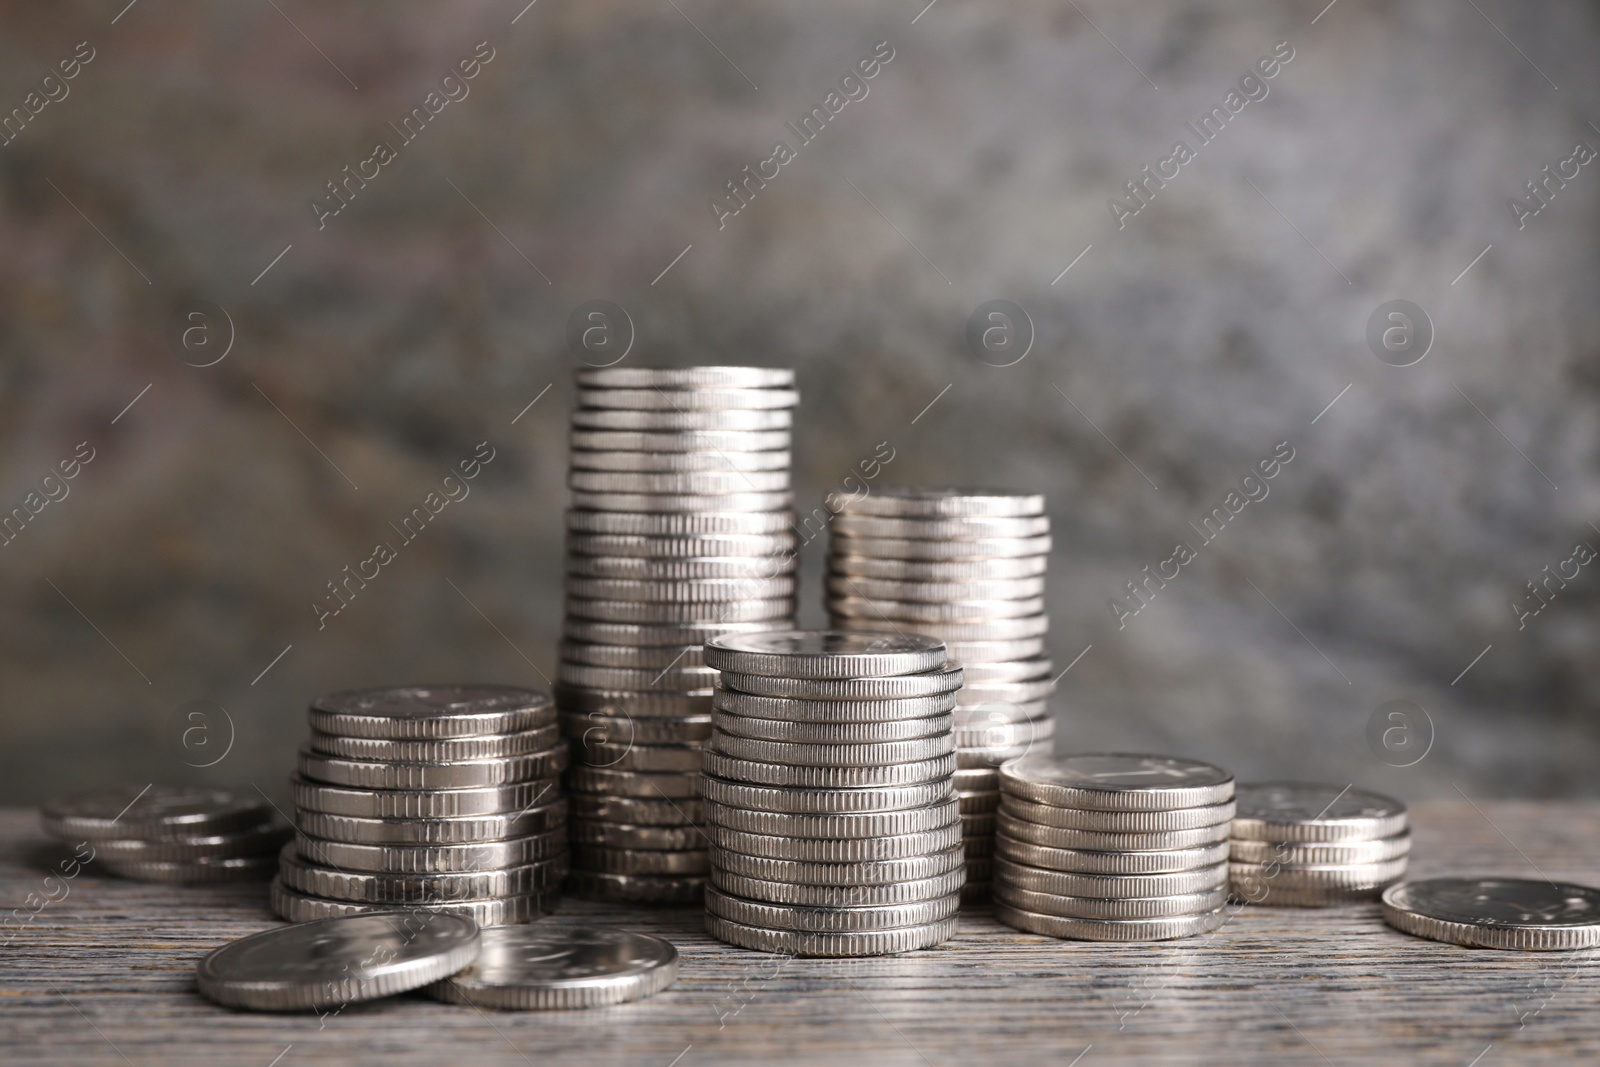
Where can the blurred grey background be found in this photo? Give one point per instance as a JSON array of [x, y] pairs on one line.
[[175, 175]]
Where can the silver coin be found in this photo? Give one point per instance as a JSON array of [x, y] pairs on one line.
[[710, 593], [632, 657], [1317, 854], [865, 943], [709, 523], [1127, 908], [433, 711], [835, 850], [634, 705], [1109, 886], [644, 612], [364, 887], [699, 398], [1164, 929], [637, 888], [265, 839], [1303, 811], [853, 525], [421, 804], [825, 654], [831, 733], [1134, 822], [980, 780], [866, 872], [1508, 913], [1105, 841], [952, 633], [680, 421], [896, 687], [451, 831], [697, 482], [1085, 861], [679, 503], [1024, 692], [979, 653], [829, 920], [953, 570], [550, 967], [615, 835], [833, 756], [846, 896], [1116, 782], [762, 773], [440, 750], [973, 803], [434, 859], [633, 783], [194, 871], [976, 734], [153, 813], [1026, 669], [804, 801], [847, 585], [495, 911], [644, 636], [460, 774], [730, 441], [906, 548], [686, 377], [674, 461], [641, 811], [593, 727], [678, 679], [796, 711], [336, 961], [626, 756], [848, 825], [940, 503], [639, 861], [634, 568], [758, 554], [914, 611], [1248, 876]]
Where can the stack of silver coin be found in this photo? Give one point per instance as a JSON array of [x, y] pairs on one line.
[[966, 566], [679, 531], [1113, 847], [440, 798], [1308, 845], [830, 804], [173, 834]]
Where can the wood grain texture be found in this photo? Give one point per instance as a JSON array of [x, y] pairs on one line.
[[106, 976]]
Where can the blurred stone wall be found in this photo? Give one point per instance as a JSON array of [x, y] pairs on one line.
[[373, 349]]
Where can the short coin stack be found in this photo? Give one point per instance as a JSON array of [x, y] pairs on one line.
[[438, 798], [1113, 847], [834, 825], [966, 566], [1309, 845], [172, 834], [679, 531]]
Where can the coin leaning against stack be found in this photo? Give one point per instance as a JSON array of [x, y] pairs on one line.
[[966, 566], [1310, 845], [680, 531], [1113, 847], [172, 834], [829, 796], [430, 798]]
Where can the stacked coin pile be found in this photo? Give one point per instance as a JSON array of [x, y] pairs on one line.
[[966, 566], [438, 798], [830, 805], [680, 530], [1113, 847], [1308, 845], [173, 834]]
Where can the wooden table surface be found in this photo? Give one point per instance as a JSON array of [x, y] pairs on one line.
[[106, 976]]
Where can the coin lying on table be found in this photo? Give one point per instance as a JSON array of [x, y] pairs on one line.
[[337, 961], [544, 966], [153, 813], [1508, 913]]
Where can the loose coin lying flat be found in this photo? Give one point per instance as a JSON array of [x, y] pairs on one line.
[[267, 838], [337, 961], [1299, 811], [825, 654], [1116, 782], [544, 966], [153, 813], [1508, 913]]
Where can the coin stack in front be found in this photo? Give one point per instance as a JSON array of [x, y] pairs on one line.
[[1113, 847], [966, 566], [1308, 845], [679, 531], [441, 798], [830, 804]]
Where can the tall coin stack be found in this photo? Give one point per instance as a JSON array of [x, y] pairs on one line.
[[679, 531], [443, 798], [1310, 845], [1113, 847], [966, 566], [834, 825]]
